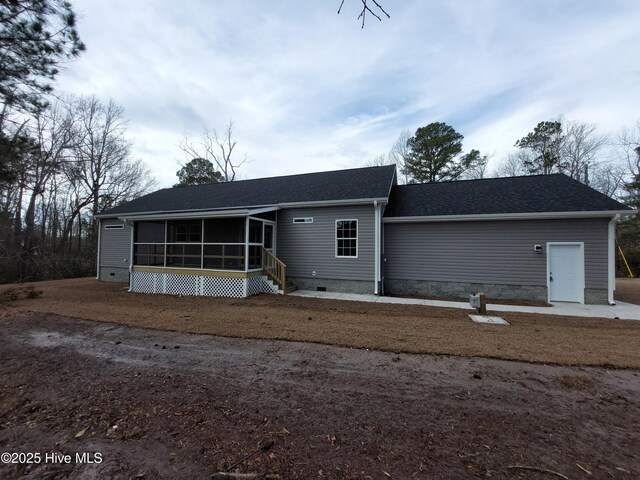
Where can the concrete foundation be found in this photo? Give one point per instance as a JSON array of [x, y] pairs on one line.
[[333, 285], [114, 274], [463, 290], [596, 296]]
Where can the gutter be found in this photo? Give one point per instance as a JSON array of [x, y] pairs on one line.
[[611, 259], [98, 259], [376, 248], [131, 257], [510, 216]]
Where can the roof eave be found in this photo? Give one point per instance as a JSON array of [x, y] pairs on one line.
[[510, 216], [240, 210]]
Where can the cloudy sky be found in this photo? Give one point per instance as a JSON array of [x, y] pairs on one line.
[[309, 90]]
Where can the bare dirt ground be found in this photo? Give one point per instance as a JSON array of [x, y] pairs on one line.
[[395, 328], [628, 290], [159, 404]]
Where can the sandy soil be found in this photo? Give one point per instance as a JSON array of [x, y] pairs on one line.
[[169, 405], [628, 290], [411, 328]]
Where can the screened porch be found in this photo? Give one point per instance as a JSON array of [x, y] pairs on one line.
[[225, 255], [231, 243]]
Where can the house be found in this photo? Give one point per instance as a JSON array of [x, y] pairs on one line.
[[546, 237]]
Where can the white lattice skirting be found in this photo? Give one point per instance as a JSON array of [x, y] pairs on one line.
[[200, 285]]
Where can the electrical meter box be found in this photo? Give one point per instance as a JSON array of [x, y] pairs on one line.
[[479, 302], [474, 300]]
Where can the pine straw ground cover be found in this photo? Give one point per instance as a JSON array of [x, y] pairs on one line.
[[397, 328]]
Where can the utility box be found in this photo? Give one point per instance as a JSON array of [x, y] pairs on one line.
[[479, 302]]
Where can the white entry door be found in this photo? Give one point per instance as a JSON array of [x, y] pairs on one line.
[[565, 272]]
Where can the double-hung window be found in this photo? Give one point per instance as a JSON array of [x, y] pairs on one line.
[[347, 238]]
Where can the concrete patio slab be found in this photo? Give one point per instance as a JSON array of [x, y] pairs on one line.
[[488, 319], [621, 310]]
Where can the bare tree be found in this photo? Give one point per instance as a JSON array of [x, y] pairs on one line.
[[380, 160], [628, 143], [218, 150], [366, 10], [628, 234], [400, 152], [102, 172], [513, 165], [608, 178], [69, 161], [581, 144], [478, 166], [53, 134]]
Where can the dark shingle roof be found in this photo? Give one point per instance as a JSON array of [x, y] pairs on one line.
[[353, 184], [531, 194]]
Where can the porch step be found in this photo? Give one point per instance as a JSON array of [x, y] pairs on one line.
[[289, 287]]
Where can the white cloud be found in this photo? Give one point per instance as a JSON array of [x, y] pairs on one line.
[[309, 90]]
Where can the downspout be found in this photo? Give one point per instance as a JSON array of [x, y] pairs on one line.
[[130, 257], [611, 259], [98, 259], [376, 248]]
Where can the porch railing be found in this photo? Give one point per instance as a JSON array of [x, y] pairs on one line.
[[274, 267]]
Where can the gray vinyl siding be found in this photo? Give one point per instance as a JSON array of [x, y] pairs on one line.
[[308, 247], [496, 252], [115, 247]]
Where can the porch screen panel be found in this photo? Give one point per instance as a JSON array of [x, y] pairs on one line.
[[149, 232], [255, 256], [255, 231], [184, 255], [148, 248], [224, 256], [148, 254], [224, 230]]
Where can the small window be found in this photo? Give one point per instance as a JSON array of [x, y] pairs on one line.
[[113, 227], [303, 220], [347, 238]]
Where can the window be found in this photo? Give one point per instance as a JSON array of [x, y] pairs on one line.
[[113, 227], [303, 220], [347, 238]]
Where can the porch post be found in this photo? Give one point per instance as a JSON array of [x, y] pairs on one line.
[[246, 244]]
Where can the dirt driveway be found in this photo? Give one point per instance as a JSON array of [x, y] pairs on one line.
[[160, 404]]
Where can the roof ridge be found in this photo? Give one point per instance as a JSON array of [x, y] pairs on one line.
[[282, 176], [487, 179]]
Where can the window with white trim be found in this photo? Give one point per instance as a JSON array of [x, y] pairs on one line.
[[347, 238]]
